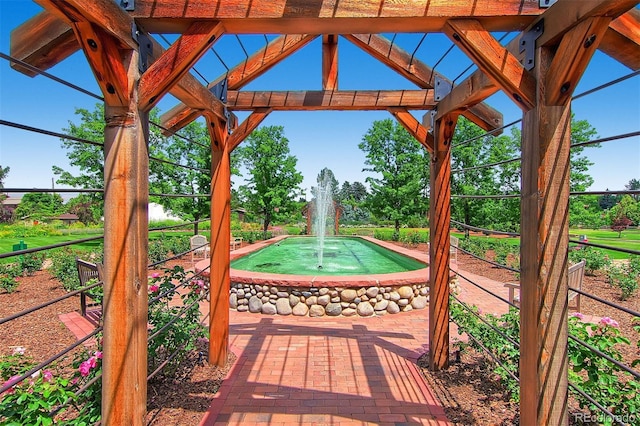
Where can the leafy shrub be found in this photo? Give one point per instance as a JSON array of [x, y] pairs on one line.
[[178, 244], [383, 234], [63, 267], [596, 376], [8, 274], [32, 262], [501, 251], [158, 250], [595, 259], [624, 278], [173, 329], [30, 401]]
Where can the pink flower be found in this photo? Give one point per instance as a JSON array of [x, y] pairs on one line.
[[153, 288], [98, 354], [609, 322], [577, 315], [85, 368], [200, 283], [47, 376], [92, 362], [155, 275], [11, 382]]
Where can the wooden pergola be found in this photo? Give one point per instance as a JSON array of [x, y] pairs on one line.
[[538, 70]]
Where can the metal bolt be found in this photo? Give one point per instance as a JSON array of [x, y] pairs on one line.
[[92, 44], [565, 87], [110, 88], [589, 41], [456, 36], [517, 97]]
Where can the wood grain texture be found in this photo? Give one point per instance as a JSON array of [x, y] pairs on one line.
[[419, 73], [241, 75], [248, 125], [330, 62], [546, 139], [315, 16], [413, 126], [502, 67], [622, 39], [439, 238], [558, 19], [176, 61], [43, 41], [126, 196], [219, 278], [572, 57], [106, 61], [341, 100]]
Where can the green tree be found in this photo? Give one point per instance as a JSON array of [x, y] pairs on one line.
[[399, 160], [5, 216], [605, 202], [471, 157], [87, 157], [274, 182], [626, 208], [326, 175], [181, 165], [633, 185], [39, 206]]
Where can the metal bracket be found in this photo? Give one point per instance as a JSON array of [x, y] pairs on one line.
[[432, 119], [441, 88], [219, 90], [528, 44], [145, 48], [129, 5], [543, 4]]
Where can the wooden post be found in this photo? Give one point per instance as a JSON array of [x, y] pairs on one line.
[[220, 236], [440, 216], [546, 137], [126, 199]]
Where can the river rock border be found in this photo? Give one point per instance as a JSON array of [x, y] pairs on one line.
[[326, 301]]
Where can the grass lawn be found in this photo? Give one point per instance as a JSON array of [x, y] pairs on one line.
[[6, 244]]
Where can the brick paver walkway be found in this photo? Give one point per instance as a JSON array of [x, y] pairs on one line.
[[323, 371]]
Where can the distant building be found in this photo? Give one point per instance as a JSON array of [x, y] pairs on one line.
[[67, 218], [10, 204]]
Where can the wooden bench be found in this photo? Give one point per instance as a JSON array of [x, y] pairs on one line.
[[87, 272], [575, 278]]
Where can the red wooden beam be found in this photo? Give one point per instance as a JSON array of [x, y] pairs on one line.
[[174, 63]]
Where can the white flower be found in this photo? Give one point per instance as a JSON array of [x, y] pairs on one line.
[[18, 350]]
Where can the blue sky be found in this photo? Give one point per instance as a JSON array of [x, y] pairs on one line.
[[317, 139]]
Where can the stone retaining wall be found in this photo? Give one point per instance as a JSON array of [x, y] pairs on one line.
[[321, 301]]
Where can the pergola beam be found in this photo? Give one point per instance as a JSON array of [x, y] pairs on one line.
[[622, 39], [330, 62], [173, 64], [558, 20], [43, 41], [248, 125], [241, 75], [110, 19], [502, 67], [416, 71], [318, 16], [339, 100], [413, 126]]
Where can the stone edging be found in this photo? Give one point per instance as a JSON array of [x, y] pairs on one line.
[[326, 301]]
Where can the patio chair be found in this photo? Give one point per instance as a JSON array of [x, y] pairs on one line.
[[199, 246], [575, 278], [87, 271], [453, 248], [236, 242]]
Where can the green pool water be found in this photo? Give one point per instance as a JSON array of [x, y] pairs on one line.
[[342, 256]]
